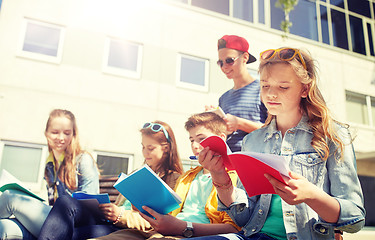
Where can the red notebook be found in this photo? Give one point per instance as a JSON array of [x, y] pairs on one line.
[[251, 166]]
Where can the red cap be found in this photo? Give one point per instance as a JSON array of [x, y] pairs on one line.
[[236, 43]]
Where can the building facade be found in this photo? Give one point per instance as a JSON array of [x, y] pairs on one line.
[[119, 63]]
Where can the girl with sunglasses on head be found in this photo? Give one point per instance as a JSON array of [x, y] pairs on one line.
[[241, 104], [68, 169], [69, 219], [323, 192]]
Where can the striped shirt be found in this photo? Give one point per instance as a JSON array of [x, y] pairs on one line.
[[244, 103]]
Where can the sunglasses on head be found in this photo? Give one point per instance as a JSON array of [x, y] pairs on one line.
[[156, 127], [284, 54], [229, 61]]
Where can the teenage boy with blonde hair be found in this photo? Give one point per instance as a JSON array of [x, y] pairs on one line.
[[198, 214]]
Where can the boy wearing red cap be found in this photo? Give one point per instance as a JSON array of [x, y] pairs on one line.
[[244, 110]]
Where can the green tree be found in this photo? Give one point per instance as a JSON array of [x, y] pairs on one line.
[[286, 6]]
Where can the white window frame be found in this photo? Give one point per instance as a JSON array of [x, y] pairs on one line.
[[368, 107], [112, 154], [192, 86], [38, 56], [34, 186], [369, 110], [367, 36], [119, 71]]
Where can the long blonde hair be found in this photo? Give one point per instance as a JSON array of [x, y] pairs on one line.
[[313, 105], [67, 170]]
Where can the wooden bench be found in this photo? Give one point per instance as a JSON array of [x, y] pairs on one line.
[[106, 186]]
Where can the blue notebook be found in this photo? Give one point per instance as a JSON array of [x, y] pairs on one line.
[[145, 188], [101, 198], [92, 201]]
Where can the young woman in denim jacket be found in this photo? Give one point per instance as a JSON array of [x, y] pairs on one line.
[[68, 169], [323, 192]]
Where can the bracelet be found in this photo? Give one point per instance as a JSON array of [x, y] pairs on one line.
[[119, 216], [224, 186]]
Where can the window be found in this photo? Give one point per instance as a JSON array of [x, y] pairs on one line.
[[277, 16], [220, 6], [243, 9], [324, 24], [25, 161], [42, 41], [339, 31], [261, 14], [308, 27], [360, 108], [305, 10], [368, 188], [193, 72], [360, 6], [336, 22], [338, 3], [356, 30], [113, 163], [123, 58], [370, 39]]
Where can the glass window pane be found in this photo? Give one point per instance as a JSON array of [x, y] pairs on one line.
[[123, 55], [28, 157], [339, 31], [356, 30], [261, 11], [360, 6], [192, 71], [356, 108], [303, 18], [243, 9], [111, 165], [277, 16], [41, 39], [324, 23], [370, 40], [338, 3], [220, 6], [368, 188]]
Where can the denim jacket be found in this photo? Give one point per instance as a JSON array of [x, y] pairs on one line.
[[87, 178], [337, 178]]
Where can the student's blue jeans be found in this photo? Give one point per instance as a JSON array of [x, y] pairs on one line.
[[21, 216], [236, 236], [69, 219]]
